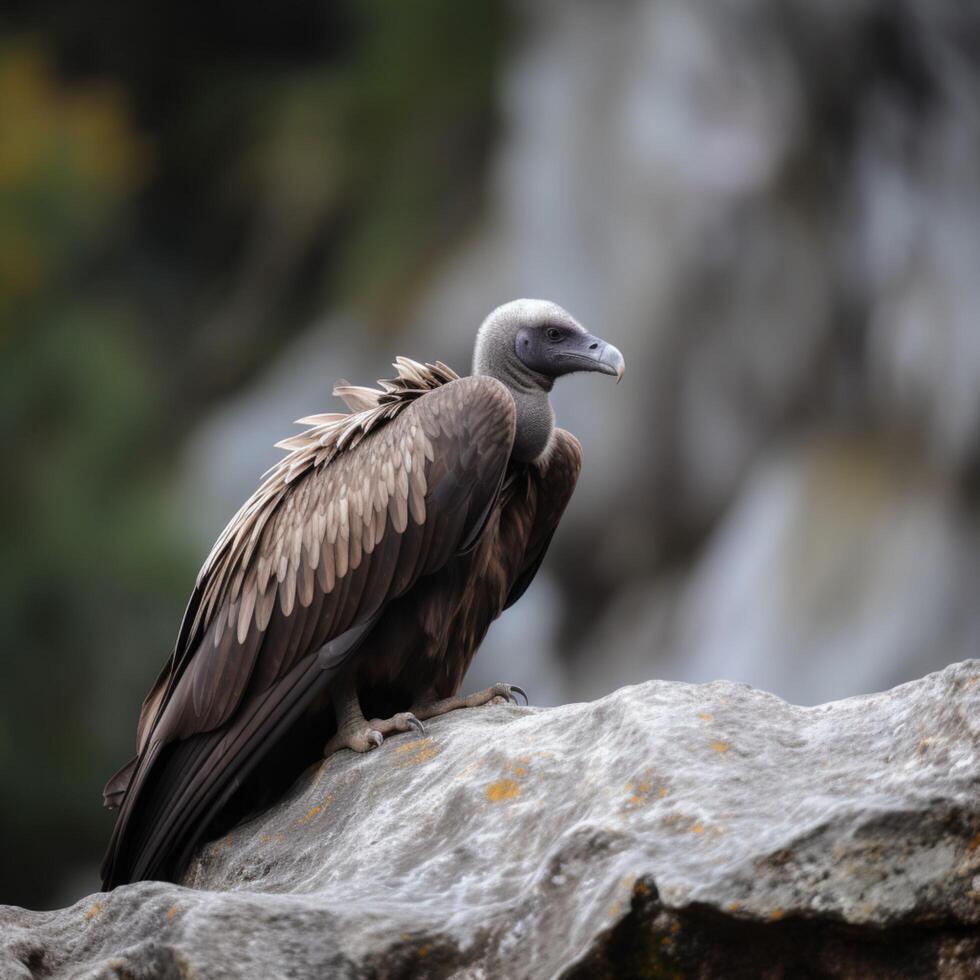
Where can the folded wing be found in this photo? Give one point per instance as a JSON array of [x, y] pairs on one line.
[[362, 506]]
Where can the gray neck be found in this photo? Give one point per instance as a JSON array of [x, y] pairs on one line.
[[535, 418], [535, 423]]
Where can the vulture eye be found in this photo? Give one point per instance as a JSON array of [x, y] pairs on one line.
[[554, 333]]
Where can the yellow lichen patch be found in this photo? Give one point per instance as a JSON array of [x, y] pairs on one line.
[[704, 716], [641, 888], [697, 827], [424, 951], [640, 790], [171, 913], [502, 789], [272, 838], [314, 811], [733, 906], [776, 914], [973, 843], [416, 752], [93, 910], [722, 747]]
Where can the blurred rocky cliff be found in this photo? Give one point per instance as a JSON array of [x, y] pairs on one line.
[[774, 210]]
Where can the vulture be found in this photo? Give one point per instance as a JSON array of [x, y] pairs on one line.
[[345, 600]]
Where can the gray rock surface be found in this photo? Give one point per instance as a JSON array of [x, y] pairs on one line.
[[665, 830]]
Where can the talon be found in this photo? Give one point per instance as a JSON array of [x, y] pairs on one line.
[[402, 722], [519, 690]]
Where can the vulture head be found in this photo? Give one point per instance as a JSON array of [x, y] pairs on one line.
[[526, 344]]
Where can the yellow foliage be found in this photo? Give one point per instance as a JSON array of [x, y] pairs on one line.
[[68, 158]]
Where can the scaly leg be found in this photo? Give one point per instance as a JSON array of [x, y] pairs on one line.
[[498, 694], [354, 731]]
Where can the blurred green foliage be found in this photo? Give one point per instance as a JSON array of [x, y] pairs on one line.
[[177, 199], [88, 550]]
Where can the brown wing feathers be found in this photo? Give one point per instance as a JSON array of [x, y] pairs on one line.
[[553, 479], [360, 507], [295, 532]]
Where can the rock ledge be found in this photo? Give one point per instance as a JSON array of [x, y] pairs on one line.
[[667, 829]]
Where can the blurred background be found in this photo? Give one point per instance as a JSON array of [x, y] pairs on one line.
[[209, 215]]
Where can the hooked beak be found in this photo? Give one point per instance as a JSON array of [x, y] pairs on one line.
[[594, 354], [611, 361]]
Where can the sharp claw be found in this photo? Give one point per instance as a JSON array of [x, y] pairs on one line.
[[376, 738], [416, 724], [519, 690]]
